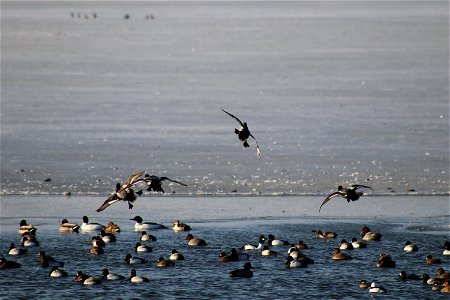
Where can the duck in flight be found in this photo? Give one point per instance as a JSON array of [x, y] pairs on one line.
[[244, 133], [349, 193], [124, 192], [154, 182]]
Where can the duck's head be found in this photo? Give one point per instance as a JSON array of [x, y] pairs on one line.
[[174, 251], [137, 219], [133, 272], [340, 188], [365, 230], [105, 272], [189, 237], [85, 219], [248, 266], [23, 223], [64, 221]]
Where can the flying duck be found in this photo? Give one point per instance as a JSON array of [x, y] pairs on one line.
[[246, 272], [348, 193], [154, 182]]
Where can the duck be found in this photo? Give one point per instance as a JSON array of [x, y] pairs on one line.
[[266, 251], [345, 245], [111, 227], [385, 261], [25, 227], [404, 276], [363, 284], [97, 250], [430, 260], [446, 288], [67, 227], [164, 263], [293, 251], [154, 182], [223, 257], [349, 193], [145, 237], [124, 192], [107, 237], [442, 274], [358, 244], [193, 241], [86, 279], [246, 272], [244, 133], [106, 275], [175, 255], [134, 260], [338, 255], [57, 272], [368, 235], [13, 250], [142, 248], [137, 279], [29, 241], [97, 241], [86, 226], [8, 264], [301, 245], [304, 259], [49, 261], [139, 226], [426, 279], [324, 235], [236, 256], [178, 226], [293, 263], [446, 248], [436, 287], [275, 242], [375, 289], [410, 247], [261, 241]]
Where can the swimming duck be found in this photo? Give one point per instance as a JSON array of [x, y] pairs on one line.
[[429, 260], [49, 261], [96, 241], [133, 260], [112, 228], [426, 279], [345, 245], [293, 263], [441, 274], [13, 250], [155, 183], [164, 263], [8, 264], [368, 235], [57, 272], [124, 192], [175, 255], [348, 193], [86, 279], [97, 250], [178, 226], [446, 248], [338, 255], [446, 288], [142, 248], [404, 276], [375, 289], [410, 247], [275, 242], [267, 252], [106, 275], [363, 284], [293, 251], [147, 225], [25, 227], [244, 133], [193, 241], [86, 226], [300, 245], [137, 279], [246, 272], [107, 237], [67, 227], [145, 237], [29, 240], [324, 235], [223, 257], [385, 261], [261, 241], [304, 259], [357, 244]]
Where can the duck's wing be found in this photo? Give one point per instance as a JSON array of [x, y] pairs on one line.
[[111, 200], [234, 117], [329, 197], [357, 186], [258, 151], [134, 179], [167, 178]]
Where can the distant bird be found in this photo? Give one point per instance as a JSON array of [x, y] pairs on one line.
[[133, 260], [111, 276], [338, 255], [112, 228], [442, 274], [86, 226], [301, 245], [25, 227], [260, 245], [349, 193], [164, 263], [368, 235], [137, 279], [324, 235], [363, 284], [67, 227], [385, 261], [357, 244], [178, 226], [97, 250], [145, 237], [86, 279], [293, 263], [124, 192], [404, 276], [175, 255], [375, 289], [57, 272], [154, 182], [13, 250], [244, 133], [142, 248], [246, 272], [275, 242], [266, 251], [346, 245], [410, 247], [107, 237], [446, 248], [8, 264], [147, 225], [430, 260], [193, 241]]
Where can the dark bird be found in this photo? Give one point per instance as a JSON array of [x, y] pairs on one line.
[[246, 272], [349, 193], [244, 133], [124, 192], [154, 182]]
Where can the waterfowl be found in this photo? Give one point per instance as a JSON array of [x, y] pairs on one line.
[[260, 245], [244, 133], [429, 260], [266, 251], [426, 279], [324, 235], [97, 250], [385, 261], [404, 276], [8, 264], [363, 284], [357, 244], [13, 250], [29, 241], [86, 226], [25, 227], [246, 272], [300, 245], [147, 225], [86, 279], [293, 263], [107, 237], [145, 237], [374, 288], [112, 228], [155, 183], [106, 275], [96, 241], [442, 274], [304, 259], [133, 260], [193, 241], [124, 192], [178, 226], [410, 247], [175, 255], [49, 261], [275, 242], [142, 248], [436, 287], [293, 251], [338, 255], [446, 248], [348, 193], [446, 288], [164, 263], [57, 272], [368, 235], [67, 227], [345, 245], [137, 279]]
